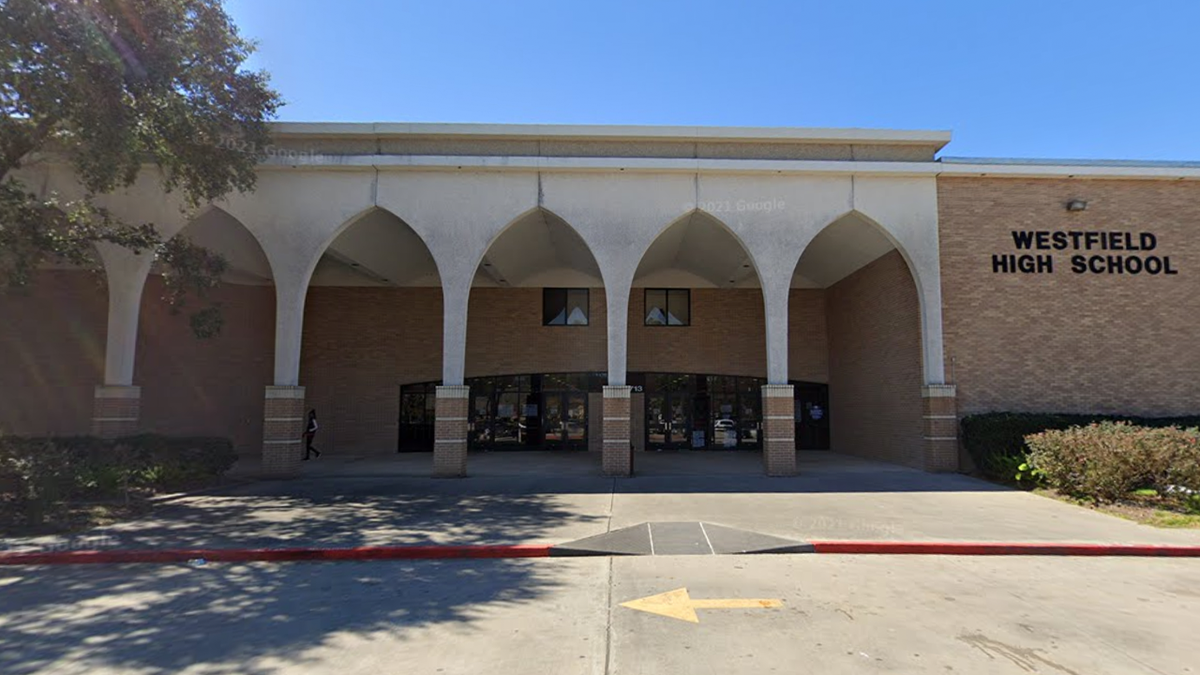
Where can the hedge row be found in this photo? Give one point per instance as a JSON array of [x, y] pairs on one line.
[[1109, 460], [996, 441], [39, 474]]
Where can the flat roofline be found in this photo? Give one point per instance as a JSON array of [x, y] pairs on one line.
[[1020, 161], [937, 139]]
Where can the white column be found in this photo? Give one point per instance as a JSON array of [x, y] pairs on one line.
[[931, 330], [775, 305], [126, 277], [455, 295], [617, 299], [289, 327]]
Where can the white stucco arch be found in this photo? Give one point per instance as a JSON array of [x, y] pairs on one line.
[[619, 216], [684, 220], [921, 272], [458, 215], [350, 223], [553, 222], [126, 274], [905, 210]]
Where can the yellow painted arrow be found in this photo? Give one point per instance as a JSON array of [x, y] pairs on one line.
[[677, 604]]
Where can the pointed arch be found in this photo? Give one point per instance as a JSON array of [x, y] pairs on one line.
[[695, 246], [855, 239], [844, 245], [534, 243], [508, 303], [374, 247], [217, 230], [876, 326], [211, 388], [370, 313]]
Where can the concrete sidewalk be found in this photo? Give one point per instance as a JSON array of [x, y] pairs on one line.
[[547, 498]]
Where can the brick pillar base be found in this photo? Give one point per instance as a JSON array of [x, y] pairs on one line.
[[941, 427], [779, 430], [116, 411], [450, 431], [618, 452], [283, 426]]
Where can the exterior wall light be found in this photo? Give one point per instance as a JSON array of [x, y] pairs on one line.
[[1076, 205]]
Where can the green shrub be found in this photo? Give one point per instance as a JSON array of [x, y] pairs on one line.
[[41, 473], [174, 461], [996, 440], [1107, 461], [37, 474]]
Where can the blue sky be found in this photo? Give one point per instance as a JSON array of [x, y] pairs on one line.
[[1013, 78]]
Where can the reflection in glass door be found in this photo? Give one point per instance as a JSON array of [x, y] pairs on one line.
[[510, 431], [657, 424], [576, 421], [667, 423], [552, 419], [681, 427], [564, 420]]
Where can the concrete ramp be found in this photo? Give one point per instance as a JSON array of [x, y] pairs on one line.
[[680, 538]]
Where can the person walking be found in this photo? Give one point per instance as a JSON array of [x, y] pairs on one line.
[[310, 432]]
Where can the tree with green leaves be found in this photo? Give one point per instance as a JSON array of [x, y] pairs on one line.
[[115, 87]]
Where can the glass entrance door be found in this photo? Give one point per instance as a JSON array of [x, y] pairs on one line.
[[668, 414], [575, 422], [564, 420], [552, 420]]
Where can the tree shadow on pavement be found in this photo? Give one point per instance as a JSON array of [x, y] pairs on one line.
[[163, 618], [371, 517], [245, 618]]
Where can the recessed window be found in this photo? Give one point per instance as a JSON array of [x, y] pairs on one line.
[[564, 306], [668, 307]]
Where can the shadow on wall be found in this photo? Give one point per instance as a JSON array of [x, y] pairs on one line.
[[163, 618]]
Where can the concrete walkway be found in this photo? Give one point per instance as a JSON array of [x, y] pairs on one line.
[[547, 498]]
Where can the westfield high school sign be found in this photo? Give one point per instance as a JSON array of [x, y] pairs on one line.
[[1092, 253]]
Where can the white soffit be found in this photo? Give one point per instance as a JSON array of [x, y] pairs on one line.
[[538, 248], [378, 249], [702, 248], [220, 232], [842, 248]]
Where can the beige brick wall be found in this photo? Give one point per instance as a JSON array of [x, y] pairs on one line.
[[53, 336], [52, 342], [212, 386], [808, 336], [727, 335], [875, 363], [505, 335], [1062, 341], [360, 344]]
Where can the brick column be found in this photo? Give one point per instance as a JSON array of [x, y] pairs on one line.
[[283, 425], [779, 430], [618, 455], [940, 427], [116, 410], [450, 431]]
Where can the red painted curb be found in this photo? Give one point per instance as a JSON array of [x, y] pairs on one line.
[[998, 548], [275, 554]]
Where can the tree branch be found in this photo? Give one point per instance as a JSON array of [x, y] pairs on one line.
[[32, 141]]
